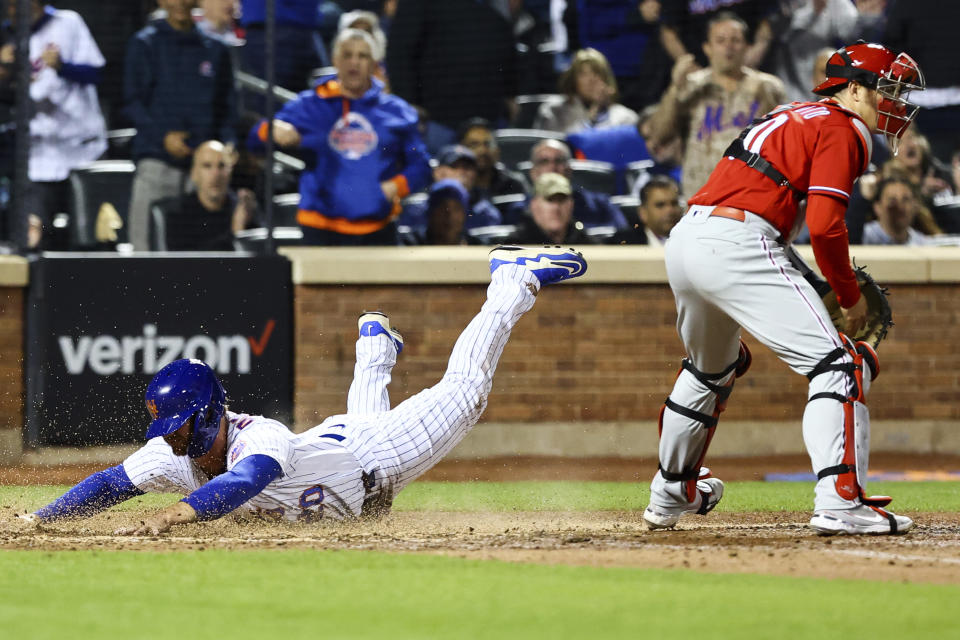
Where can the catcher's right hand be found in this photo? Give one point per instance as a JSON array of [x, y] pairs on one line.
[[868, 319], [877, 316], [855, 317]]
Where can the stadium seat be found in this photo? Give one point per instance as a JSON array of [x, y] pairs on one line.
[[414, 201], [946, 212], [492, 234], [407, 236], [637, 174], [119, 142], [285, 206], [510, 206], [528, 106], [419, 197], [593, 175], [99, 184], [254, 240], [158, 229], [515, 144], [630, 207], [601, 234], [412, 220]]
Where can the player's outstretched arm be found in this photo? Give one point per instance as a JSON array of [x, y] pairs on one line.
[[177, 513], [99, 491], [215, 499]]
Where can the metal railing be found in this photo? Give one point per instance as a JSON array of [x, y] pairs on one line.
[[252, 83]]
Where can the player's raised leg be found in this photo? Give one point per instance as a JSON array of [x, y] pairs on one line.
[[378, 346], [420, 431]]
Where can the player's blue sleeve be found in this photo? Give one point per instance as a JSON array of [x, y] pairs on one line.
[[100, 491], [228, 491], [80, 73]]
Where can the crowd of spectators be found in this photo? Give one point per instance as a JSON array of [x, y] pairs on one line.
[[396, 134]]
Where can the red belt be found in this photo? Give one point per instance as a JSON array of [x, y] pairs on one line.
[[729, 212]]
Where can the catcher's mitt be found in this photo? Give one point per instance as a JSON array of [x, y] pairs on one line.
[[879, 314]]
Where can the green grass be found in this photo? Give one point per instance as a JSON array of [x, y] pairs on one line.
[[357, 595], [587, 496], [293, 594]]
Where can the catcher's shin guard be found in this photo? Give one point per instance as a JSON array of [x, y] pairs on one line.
[[720, 385], [851, 473]]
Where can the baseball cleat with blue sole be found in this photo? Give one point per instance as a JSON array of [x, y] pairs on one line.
[[373, 323], [549, 264]]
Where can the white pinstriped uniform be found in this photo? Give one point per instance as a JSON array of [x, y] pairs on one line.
[[376, 357], [320, 477], [67, 129], [323, 467]]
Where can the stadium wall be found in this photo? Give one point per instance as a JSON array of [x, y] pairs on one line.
[[13, 282], [586, 371]]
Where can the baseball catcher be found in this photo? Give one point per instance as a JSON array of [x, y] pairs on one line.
[[729, 267], [351, 465]]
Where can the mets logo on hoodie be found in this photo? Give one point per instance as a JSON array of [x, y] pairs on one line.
[[353, 136]]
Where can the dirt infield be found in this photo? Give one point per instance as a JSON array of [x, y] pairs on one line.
[[768, 543], [775, 544]]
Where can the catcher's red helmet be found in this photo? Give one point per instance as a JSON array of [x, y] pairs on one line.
[[876, 67]]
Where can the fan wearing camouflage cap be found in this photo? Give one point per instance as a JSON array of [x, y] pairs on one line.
[[549, 218]]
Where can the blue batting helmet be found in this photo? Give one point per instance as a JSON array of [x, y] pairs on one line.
[[181, 390]]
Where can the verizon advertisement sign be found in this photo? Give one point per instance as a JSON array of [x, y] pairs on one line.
[[148, 353], [100, 326]]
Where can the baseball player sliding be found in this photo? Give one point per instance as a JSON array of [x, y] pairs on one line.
[[348, 466], [728, 269]]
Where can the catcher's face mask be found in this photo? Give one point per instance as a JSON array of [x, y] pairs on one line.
[[892, 76], [895, 111]]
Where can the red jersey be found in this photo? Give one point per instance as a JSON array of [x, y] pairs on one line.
[[821, 148]]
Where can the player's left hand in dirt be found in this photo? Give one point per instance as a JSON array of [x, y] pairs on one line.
[[13, 523], [22, 522], [177, 513], [152, 526]]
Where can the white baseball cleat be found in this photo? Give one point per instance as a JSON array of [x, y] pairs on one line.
[[710, 490], [862, 519], [550, 264], [372, 323]]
